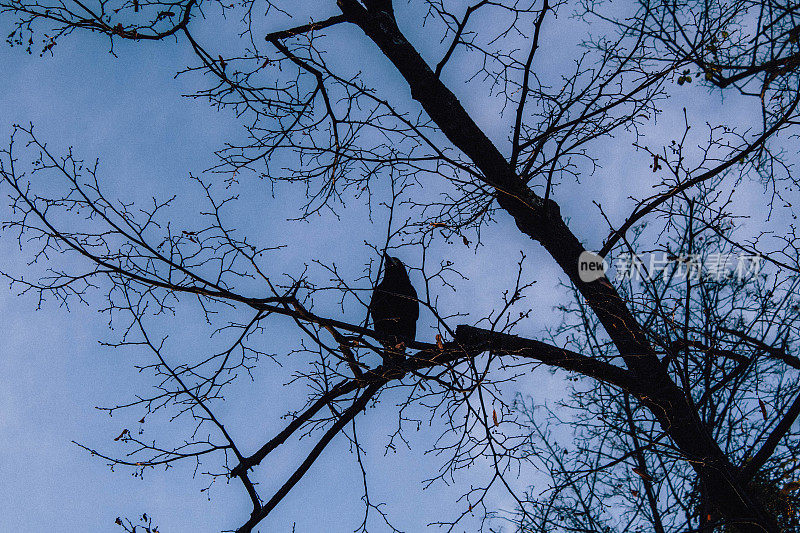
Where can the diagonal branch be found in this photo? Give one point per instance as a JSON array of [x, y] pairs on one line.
[[752, 466], [639, 213], [305, 28], [540, 219], [777, 353], [476, 340], [358, 405]]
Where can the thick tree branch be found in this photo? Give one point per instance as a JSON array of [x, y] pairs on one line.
[[305, 28], [475, 340], [540, 219]]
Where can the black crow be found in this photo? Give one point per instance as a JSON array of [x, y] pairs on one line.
[[394, 307]]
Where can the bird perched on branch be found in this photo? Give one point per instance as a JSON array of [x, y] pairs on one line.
[[394, 308]]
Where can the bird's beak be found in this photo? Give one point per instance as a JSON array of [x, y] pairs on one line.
[[386, 259]]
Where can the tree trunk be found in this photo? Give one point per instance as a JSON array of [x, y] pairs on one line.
[[540, 219]]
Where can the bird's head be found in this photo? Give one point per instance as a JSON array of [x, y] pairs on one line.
[[394, 265]]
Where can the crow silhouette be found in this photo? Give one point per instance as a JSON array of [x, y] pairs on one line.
[[394, 308]]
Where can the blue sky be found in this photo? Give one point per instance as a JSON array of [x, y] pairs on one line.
[[129, 112], [53, 373]]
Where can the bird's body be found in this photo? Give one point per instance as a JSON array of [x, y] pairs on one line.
[[394, 307]]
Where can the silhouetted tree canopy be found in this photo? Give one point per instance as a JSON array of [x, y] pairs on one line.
[[462, 132]]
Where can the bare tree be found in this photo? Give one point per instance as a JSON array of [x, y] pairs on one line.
[[684, 378]]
